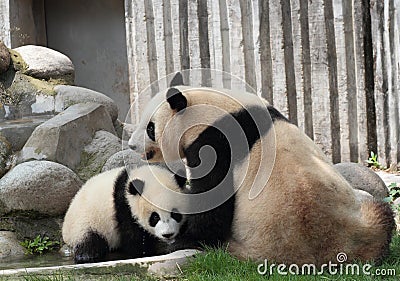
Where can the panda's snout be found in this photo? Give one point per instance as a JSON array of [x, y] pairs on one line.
[[132, 146]]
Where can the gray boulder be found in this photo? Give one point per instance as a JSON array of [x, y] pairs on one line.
[[40, 186], [360, 177], [5, 152], [70, 95], [45, 63], [95, 154], [5, 58], [62, 138], [127, 158], [9, 245], [17, 133], [25, 96]]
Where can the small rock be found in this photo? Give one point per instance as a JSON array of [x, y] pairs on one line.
[[5, 58], [62, 138], [5, 152], [41, 186], [95, 154], [127, 157], [360, 177], [9, 245], [45, 63], [128, 130], [170, 266], [70, 95]]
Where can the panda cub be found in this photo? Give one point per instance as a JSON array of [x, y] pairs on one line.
[[131, 211]]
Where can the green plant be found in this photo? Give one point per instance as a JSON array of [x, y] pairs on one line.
[[394, 193], [39, 245], [373, 160]]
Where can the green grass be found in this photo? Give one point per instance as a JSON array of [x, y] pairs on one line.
[[218, 265]]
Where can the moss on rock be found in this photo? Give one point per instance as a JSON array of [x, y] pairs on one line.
[[17, 61]]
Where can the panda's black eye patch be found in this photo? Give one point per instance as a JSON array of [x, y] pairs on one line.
[[154, 219], [150, 131], [176, 215]]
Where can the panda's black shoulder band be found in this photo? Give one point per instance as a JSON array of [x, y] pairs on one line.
[[180, 178], [121, 180]]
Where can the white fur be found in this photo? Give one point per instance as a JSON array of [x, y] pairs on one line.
[[92, 208]]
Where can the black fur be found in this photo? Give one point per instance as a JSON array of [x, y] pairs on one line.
[[136, 187], [276, 115], [177, 101], [180, 178], [93, 248], [135, 241], [177, 80], [236, 133]]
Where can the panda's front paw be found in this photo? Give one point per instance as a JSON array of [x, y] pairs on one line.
[[94, 248], [86, 258]]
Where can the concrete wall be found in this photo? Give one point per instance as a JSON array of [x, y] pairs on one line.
[[92, 34], [5, 35], [22, 22]]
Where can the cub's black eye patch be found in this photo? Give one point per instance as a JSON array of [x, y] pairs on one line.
[[150, 131], [154, 219], [176, 215]]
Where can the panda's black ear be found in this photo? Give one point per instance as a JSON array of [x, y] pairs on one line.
[[177, 80], [177, 101], [180, 178], [136, 187]]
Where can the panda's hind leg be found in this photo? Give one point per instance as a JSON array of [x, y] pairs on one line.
[[93, 248]]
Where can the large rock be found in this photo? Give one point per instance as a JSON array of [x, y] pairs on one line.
[[70, 95], [9, 245], [25, 96], [45, 63], [62, 138], [40, 186], [360, 177], [5, 58], [95, 154], [17, 132], [5, 151], [127, 157]]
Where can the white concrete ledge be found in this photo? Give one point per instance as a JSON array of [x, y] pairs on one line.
[[178, 257]]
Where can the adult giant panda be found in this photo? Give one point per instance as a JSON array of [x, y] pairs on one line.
[[126, 211], [290, 205]]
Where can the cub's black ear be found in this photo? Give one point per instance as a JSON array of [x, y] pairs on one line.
[[180, 178], [136, 187], [177, 80], [176, 99]]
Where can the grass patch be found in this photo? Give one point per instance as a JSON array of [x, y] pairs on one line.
[[218, 265]]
